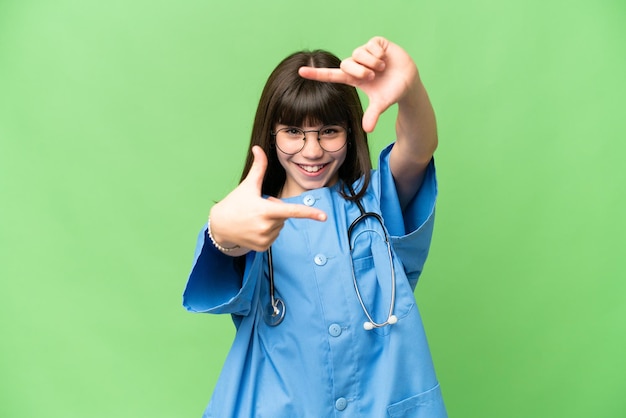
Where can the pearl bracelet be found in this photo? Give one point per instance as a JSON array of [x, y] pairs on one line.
[[219, 247]]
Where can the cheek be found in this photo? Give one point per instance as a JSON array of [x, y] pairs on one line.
[[282, 159], [342, 158]]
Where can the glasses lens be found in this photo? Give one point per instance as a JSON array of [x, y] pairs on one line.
[[291, 140], [332, 138]]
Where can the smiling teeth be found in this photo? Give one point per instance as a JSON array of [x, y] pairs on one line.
[[312, 168]]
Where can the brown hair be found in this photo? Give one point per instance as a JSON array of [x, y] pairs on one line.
[[292, 100]]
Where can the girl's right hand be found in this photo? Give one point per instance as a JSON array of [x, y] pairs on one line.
[[246, 219]]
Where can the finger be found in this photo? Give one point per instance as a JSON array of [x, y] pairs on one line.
[[356, 70], [282, 210], [377, 46], [257, 170], [371, 115], [370, 57], [329, 75]]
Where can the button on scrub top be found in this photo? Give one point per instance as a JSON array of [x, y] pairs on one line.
[[320, 362]]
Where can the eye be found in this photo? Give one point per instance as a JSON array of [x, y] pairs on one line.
[[331, 131], [295, 132]]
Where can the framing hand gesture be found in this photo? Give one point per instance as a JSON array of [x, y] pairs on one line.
[[246, 219], [380, 68]]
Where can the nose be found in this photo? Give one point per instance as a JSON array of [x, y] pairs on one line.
[[312, 149]]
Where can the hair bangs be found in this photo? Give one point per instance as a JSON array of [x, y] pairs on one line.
[[313, 102]]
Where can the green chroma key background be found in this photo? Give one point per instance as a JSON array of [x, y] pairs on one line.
[[122, 122]]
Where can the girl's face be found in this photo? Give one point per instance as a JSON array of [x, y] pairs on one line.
[[312, 167]]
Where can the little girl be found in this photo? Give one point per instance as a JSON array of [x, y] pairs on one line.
[[316, 256]]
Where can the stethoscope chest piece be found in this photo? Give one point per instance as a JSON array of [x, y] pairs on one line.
[[274, 314]]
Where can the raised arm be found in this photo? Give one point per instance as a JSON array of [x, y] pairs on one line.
[[416, 133]]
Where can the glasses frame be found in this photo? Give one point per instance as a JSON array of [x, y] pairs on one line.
[[346, 132]]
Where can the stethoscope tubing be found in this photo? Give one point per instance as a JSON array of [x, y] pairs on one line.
[[275, 311], [391, 318]]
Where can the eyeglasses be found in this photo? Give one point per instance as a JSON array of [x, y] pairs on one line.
[[292, 140]]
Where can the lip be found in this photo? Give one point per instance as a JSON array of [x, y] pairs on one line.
[[321, 169]]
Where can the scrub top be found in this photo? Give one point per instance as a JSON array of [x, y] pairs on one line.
[[320, 361]]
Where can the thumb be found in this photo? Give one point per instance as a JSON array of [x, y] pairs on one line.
[[258, 168], [370, 117]]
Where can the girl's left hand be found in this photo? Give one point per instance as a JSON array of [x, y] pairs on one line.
[[381, 69]]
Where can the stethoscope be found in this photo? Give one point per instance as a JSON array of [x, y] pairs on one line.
[[274, 312]]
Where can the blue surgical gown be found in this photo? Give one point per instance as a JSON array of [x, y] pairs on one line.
[[320, 361]]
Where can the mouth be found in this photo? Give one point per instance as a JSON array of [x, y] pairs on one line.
[[312, 169]]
